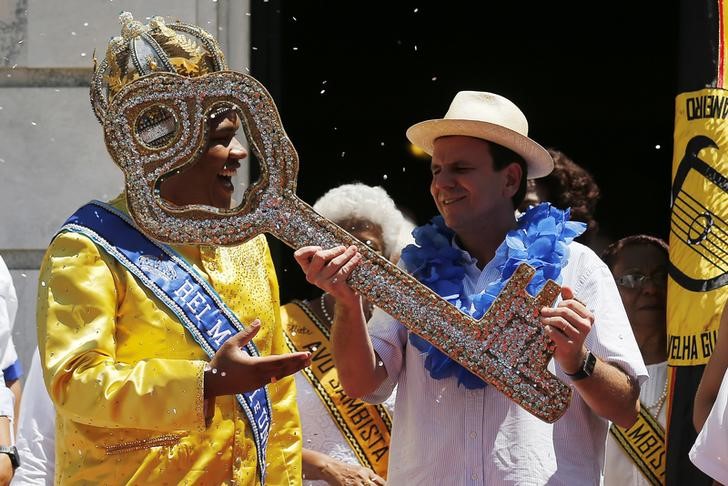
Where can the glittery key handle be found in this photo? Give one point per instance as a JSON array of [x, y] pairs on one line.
[[157, 126]]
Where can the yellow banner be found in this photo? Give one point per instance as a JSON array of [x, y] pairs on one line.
[[698, 230], [644, 443], [366, 427]]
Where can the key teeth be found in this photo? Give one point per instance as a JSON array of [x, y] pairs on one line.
[[548, 294], [510, 331]]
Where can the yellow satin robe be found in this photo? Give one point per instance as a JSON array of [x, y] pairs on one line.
[[127, 378]]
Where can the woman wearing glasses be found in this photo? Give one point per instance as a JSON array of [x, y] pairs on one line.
[[639, 264]]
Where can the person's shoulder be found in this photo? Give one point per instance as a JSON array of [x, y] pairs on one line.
[[583, 264], [4, 272], [72, 245], [119, 202], [581, 253]]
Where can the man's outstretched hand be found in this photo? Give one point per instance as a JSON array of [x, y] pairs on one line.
[[232, 371]]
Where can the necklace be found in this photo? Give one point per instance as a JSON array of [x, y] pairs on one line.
[[656, 407], [541, 240], [326, 314]]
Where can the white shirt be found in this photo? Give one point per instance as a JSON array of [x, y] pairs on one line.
[[36, 431], [710, 451], [320, 433], [8, 310], [619, 469], [446, 434]]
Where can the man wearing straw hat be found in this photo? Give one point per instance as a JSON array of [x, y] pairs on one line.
[[451, 427]]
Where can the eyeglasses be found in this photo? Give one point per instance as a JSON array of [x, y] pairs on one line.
[[638, 280]]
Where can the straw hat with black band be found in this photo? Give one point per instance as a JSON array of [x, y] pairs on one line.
[[490, 117]]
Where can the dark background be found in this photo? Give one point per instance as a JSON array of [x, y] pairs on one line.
[[596, 81]]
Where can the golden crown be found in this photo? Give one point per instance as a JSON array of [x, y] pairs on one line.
[[141, 49]]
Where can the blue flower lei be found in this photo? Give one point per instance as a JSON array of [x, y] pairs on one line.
[[540, 239]]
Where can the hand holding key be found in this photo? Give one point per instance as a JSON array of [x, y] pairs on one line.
[[328, 269]]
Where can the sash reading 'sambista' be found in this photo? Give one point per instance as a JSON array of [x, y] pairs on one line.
[[366, 427], [183, 290], [644, 444]]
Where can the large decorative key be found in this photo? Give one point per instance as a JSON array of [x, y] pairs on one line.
[[168, 115]]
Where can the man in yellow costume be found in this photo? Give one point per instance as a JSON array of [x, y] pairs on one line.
[[166, 364]]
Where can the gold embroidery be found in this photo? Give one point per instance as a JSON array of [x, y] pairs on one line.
[[137, 445]]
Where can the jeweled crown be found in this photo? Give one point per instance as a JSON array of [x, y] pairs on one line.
[[142, 49]]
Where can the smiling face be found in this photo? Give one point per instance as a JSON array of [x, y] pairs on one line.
[[467, 190], [209, 181], [645, 303]]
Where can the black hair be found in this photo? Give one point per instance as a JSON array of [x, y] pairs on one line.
[[610, 253], [502, 158]]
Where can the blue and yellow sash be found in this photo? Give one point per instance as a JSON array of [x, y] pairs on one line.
[[184, 291]]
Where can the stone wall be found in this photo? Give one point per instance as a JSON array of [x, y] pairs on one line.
[[52, 154]]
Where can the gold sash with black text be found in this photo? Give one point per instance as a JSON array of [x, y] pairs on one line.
[[366, 427], [644, 444]]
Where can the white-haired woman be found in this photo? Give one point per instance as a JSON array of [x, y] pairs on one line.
[[345, 440]]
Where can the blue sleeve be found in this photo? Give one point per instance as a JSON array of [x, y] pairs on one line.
[[14, 371]]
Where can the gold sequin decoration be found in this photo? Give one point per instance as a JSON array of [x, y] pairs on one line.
[[137, 445]]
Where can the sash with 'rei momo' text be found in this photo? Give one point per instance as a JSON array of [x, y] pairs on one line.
[[183, 290], [366, 427]]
